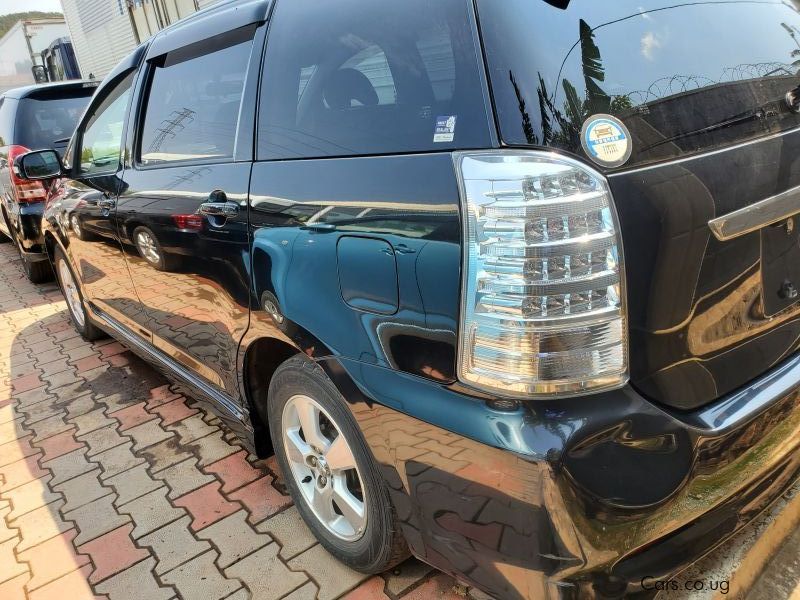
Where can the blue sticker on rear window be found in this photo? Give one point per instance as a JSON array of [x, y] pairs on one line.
[[445, 129], [606, 140]]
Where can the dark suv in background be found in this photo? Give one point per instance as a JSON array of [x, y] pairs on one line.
[[34, 117], [401, 230]]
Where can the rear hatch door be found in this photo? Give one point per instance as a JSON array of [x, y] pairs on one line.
[[702, 89]]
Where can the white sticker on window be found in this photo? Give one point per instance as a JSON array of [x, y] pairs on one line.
[[445, 129]]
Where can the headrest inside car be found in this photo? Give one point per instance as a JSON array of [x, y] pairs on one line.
[[346, 85]]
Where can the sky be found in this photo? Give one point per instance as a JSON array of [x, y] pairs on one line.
[[12, 6]]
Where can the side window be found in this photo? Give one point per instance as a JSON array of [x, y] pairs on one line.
[[372, 64], [101, 140], [192, 107], [372, 77]]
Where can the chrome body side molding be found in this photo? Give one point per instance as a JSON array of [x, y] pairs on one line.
[[223, 401], [756, 216]]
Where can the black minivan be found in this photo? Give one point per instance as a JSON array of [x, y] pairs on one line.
[[36, 116], [385, 240]]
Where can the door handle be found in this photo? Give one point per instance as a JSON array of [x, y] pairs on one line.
[[219, 209], [107, 203]]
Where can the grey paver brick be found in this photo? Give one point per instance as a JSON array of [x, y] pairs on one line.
[[173, 544], [11, 430], [68, 465], [102, 439], [132, 483], [49, 427], [91, 421], [240, 594], [41, 410], [290, 531], [117, 459], [31, 397], [147, 434], [6, 532], [137, 581], [59, 379], [165, 454], [306, 592], [409, 573], [199, 578], [81, 490], [151, 511], [9, 567], [265, 575], [333, 578], [183, 477], [212, 448], [192, 428], [29, 496], [233, 537], [40, 524], [96, 518]]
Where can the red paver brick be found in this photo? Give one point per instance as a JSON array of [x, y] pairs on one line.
[[72, 586], [88, 363], [440, 587], [26, 382], [160, 395], [261, 499], [112, 349], [119, 360], [206, 505], [234, 471], [59, 444], [52, 559], [372, 589], [113, 552], [132, 416], [58, 326], [14, 589], [174, 411]]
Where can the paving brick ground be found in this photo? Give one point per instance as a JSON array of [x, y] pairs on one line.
[[114, 485]]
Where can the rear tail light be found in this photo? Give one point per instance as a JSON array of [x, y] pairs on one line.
[[27, 191], [190, 222], [543, 310]]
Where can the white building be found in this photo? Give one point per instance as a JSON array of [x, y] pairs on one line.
[[24, 43], [105, 31]]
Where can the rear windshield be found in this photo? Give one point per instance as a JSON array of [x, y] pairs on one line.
[[684, 77], [43, 121]]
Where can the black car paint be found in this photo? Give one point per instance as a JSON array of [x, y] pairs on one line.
[[710, 320], [520, 499]]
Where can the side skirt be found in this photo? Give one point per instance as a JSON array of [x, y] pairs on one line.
[[221, 404]]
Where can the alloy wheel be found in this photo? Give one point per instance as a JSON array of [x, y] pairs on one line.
[[324, 468], [76, 225], [71, 293], [147, 247]]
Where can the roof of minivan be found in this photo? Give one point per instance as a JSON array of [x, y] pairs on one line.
[[221, 6], [23, 92]]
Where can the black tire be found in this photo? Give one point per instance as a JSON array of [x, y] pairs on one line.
[[381, 546], [165, 262], [38, 271], [4, 239], [88, 330]]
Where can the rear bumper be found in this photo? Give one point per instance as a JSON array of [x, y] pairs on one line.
[[561, 499], [29, 230]]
